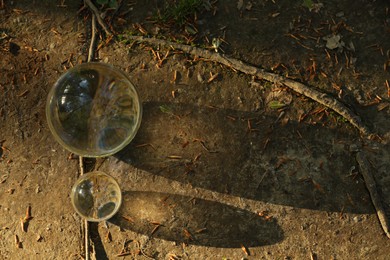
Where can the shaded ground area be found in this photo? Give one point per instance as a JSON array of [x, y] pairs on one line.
[[220, 163]]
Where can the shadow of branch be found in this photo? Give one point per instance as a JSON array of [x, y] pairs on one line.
[[194, 221]]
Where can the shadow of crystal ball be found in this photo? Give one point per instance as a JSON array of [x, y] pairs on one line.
[[93, 110], [96, 196]]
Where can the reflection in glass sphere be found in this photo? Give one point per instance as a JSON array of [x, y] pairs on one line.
[[96, 196], [93, 110]]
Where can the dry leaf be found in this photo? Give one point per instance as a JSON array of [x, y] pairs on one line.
[[334, 42], [248, 6], [240, 4]]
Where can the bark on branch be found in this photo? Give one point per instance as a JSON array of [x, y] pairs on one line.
[[241, 66], [367, 171]]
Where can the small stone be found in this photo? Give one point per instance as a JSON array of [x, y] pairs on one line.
[[48, 227]]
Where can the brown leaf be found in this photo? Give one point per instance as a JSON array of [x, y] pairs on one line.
[[240, 4]]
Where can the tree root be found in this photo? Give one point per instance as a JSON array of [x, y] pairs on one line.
[[239, 65], [98, 17]]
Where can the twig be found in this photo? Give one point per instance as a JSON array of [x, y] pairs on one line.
[[93, 39], [91, 52], [86, 225], [141, 248], [86, 234], [239, 65], [366, 170], [97, 14], [262, 178]]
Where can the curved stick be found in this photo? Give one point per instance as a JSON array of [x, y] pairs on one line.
[[239, 65], [367, 172]]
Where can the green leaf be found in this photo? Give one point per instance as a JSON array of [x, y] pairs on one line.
[[166, 109], [308, 4], [275, 104]]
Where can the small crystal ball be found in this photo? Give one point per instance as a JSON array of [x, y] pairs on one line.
[[96, 196], [93, 110]]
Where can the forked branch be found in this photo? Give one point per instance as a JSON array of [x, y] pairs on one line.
[[246, 68]]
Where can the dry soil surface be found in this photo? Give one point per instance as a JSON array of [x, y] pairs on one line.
[[218, 170]]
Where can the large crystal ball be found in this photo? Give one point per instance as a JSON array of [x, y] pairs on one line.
[[93, 110], [96, 196]]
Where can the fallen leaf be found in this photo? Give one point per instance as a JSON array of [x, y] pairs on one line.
[[240, 4], [248, 6], [334, 42], [275, 104], [316, 7], [165, 109], [308, 4], [278, 99], [200, 78]]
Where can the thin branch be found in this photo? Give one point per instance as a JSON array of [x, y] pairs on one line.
[[86, 234], [93, 39], [91, 53], [239, 65], [366, 170], [81, 165], [86, 224], [98, 17]]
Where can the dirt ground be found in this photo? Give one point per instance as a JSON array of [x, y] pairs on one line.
[[218, 170]]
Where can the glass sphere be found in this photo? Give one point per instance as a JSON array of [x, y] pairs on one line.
[[93, 110], [96, 196]]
